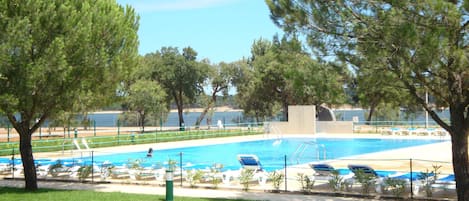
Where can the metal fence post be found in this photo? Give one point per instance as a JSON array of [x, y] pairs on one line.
[[8, 132], [411, 181], [285, 167], [94, 127], [92, 167], [180, 165]]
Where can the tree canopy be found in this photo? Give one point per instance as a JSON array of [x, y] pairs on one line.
[[281, 73], [52, 52], [421, 45], [180, 75]]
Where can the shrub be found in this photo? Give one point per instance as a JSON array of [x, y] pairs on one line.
[[306, 182], [396, 186], [367, 181], [277, 179], [246, 177]]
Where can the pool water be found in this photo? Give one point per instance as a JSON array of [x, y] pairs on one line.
[[271, 152]]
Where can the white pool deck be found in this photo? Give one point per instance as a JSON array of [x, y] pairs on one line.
[[432, 152]]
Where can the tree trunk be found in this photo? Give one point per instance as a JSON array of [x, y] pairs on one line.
[[459, 140], [460, 166], [29, 169], [370, 114], [209, 105], [142, 121], [202, 115]]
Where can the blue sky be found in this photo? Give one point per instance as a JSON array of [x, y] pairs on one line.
[[220, 30]]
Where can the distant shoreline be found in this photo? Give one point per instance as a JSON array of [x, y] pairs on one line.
[[217, 109]]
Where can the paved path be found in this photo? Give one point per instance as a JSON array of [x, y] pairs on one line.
[[186, 192]]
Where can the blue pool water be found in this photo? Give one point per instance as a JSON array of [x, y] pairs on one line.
[[271, 152]]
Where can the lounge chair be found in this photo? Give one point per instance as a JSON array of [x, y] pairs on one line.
[[248, 162], [325, 172], [391, 131], [379, 177], [445, 183], [119, 172]]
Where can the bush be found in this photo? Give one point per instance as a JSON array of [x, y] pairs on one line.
[[307, 184], [277, 179], [246, 177], [367, 181]]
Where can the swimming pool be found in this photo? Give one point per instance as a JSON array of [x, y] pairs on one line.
[[271, 152]]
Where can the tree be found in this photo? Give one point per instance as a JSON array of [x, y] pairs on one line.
[[146, 97], [53, 51], [283, 74], [424, 44], [180, 75], [220, 78]]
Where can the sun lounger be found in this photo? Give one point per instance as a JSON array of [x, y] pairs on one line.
[[445, 183], [391, 131], [379, 177], [248, 162], [325, 172]]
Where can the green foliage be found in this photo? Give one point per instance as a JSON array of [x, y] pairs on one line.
[[396, 186], [429, 177], [407, 48], [194, 177], [61, 56], [367, 181], [336, 182], [84, 172], [146, 98], [307, 184], [179, 74], [214, 175], [277, 179], [172, 165], [245, 178], [281, 73]]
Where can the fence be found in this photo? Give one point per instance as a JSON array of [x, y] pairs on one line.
[[279, 175], [106, 137]]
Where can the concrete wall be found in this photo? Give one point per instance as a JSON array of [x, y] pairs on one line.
[[332, 127], [301, 120]]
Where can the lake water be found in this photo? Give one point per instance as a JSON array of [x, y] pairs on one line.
[[232, 117]]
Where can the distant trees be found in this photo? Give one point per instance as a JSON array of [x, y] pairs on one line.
[[180, 75], [282, 73], [53, 53], [219, 78], [417, 47]]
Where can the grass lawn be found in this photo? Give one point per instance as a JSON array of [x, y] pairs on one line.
[[17, 194]]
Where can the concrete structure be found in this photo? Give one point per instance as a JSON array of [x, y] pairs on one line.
[[334, 127], [302, 120]]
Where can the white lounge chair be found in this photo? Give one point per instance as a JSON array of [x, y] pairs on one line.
[[248, 162], [445, 183]]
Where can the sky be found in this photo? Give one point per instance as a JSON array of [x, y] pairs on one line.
[[219, 30]]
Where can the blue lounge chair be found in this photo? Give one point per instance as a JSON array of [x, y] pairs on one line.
[[325, 172], [445, 183], [248, 162], [380, 176]]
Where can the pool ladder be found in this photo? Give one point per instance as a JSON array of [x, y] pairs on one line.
[[301, 149]]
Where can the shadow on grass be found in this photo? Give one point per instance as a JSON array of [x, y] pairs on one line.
[[10, 193]]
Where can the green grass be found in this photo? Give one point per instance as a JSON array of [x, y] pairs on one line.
[[16, 194], [48, 145]]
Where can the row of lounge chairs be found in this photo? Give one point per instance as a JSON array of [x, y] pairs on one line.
[[412, 180], [322, 172], [415, 131]]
